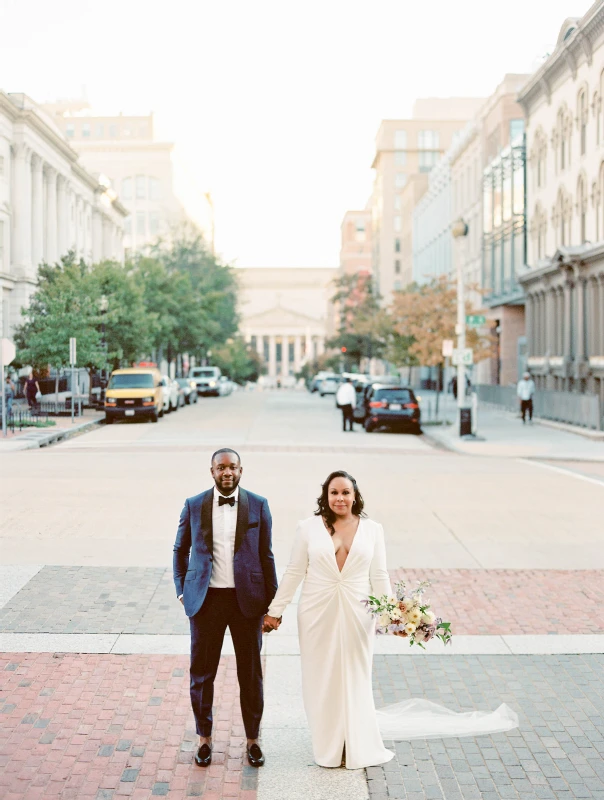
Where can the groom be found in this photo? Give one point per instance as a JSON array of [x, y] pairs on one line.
[[224, 573]]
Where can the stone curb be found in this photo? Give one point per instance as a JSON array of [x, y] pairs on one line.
[[30, 441]]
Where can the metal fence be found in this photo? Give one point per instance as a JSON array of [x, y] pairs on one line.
[[583, 410], [21, 417]]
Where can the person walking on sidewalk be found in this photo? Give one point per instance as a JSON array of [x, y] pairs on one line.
[[224, 574], [525, 391], [346, 398], [9, 394]]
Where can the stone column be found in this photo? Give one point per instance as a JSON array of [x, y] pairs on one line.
[[260, 345], [285, 355], [63, 216], [97, 236], [51, 216], [600, 301], [297, 353], [580, 350], [21, 229], [272, 357], [567, 318], [37, 213]]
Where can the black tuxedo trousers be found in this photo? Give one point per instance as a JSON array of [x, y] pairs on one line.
[[208, 627]]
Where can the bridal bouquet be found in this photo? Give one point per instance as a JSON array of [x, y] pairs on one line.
[[408, 614]]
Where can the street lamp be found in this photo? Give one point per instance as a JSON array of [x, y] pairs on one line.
[[103, 306], [459, 229]]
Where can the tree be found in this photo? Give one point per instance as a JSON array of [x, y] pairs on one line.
[[63, 306], [238, 360], [427, 314], [363, 324]]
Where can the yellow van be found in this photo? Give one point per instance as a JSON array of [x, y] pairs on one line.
[[134, 392]]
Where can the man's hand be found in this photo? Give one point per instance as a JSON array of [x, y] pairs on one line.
[[270, 623], [181, 600]]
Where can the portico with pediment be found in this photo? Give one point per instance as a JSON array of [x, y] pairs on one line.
[[286, 315]]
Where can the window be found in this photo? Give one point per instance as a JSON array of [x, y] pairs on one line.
[[427, 159], [400, 140], [70, 130], [141, 188], [516, 128], [128, 226], [127, 189], [400, 179], [582, 208], [86, 129], [397, 203], [582, 112], [400, 158], [141, 223], [428, 140], [360, 235], [99, 131], [154, 189], [397, 267], [113, 131], [397, 245], [153, 223], [397, 224]]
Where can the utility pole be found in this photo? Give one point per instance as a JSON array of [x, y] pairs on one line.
[[460, 232]]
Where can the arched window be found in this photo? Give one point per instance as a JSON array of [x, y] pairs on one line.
[[597, 116], [127, 189], [582, 208], [538, 157], [595, 202], [582, 116]]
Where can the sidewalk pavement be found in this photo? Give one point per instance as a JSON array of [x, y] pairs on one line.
[[29, 438], [503, 434]]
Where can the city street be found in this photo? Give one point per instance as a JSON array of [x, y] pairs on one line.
[[94, 690]]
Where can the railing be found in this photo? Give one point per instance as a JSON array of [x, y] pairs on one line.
[[23, 418], [583, 410]]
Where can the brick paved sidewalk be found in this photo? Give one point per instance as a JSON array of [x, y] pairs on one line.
[[557, 753], [107, 726], [142, 600]]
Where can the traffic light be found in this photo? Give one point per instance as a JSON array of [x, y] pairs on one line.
[[343, 349]]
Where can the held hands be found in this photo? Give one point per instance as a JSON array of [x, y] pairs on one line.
[[270, 624]]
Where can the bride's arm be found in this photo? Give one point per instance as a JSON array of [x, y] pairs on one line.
[[378, 573], [293, 576]]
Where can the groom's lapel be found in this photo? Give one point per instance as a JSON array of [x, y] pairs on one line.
[[206, 519], [243, 517]]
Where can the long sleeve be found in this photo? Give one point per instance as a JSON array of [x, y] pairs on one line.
[[182, 549], [294, 574], [266, 552], [378, 573]]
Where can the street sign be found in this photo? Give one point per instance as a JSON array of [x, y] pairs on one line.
[[8, 352], [72, 351], [465, 357], [447, 348], [475, 320]]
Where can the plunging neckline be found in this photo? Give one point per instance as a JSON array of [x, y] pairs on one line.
[[333, 550]]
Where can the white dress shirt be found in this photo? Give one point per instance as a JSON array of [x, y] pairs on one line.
[[346, 395], [224, 525], [526, 389]]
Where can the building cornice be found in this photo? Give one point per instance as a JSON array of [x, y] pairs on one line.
[[566, 58]]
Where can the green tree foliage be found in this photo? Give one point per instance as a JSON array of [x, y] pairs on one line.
[[363, 324], [237, 360]]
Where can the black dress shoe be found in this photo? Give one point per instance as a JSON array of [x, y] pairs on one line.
[[255, 756], [203, 757]]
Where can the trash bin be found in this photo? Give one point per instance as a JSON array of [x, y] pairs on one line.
[[465, 421]]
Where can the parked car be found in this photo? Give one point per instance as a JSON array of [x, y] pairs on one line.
[[329, 385], [392, 407], [171, 399], [225, 386], [135, 392], [316, 381], [207, 380], [361, 384], [188, 390]]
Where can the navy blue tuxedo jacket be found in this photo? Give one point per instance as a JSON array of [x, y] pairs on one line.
[[254, 565]]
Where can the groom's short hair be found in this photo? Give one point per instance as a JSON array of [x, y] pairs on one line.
[[225, 450]]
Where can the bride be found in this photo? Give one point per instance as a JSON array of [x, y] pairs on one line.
[[340, 555]]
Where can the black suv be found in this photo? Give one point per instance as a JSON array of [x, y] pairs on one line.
[[389, 406]]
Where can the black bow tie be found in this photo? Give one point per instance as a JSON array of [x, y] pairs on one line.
[[222, 501]]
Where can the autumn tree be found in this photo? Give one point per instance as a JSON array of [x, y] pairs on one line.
[[363, 324]]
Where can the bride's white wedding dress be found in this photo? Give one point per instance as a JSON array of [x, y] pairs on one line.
[[336, 648]]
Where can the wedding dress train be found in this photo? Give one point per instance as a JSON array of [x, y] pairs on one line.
[[336, 648]]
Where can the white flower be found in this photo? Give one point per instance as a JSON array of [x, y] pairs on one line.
[[428, 617], [396, 613], [392, 600], [384, 619], [414, 615], [410, 628]]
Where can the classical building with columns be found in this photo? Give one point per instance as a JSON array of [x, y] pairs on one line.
[[564, 283], [286, 315], [49, 204]]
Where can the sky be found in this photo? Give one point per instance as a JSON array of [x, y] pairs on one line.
[[273, 105]]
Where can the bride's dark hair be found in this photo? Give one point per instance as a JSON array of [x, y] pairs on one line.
[[323, 509]]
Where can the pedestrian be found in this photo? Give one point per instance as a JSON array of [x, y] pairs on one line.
[[32, 389], [346, 398], [224, 573], [525, 391], [9, 394]]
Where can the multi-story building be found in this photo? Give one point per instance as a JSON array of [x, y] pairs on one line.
[[355, 247], [406, 148], [564, 283], [432, 218], [286, 315], [49, 205], [139, 167]]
